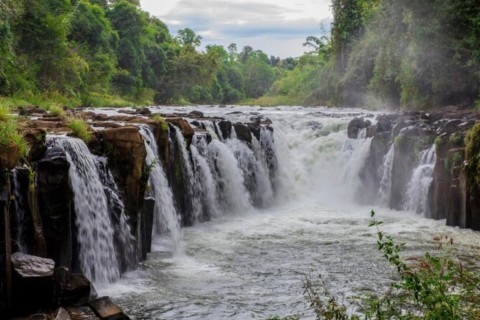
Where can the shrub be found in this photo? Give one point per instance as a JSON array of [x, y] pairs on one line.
[[9, 135], [163, 124], [432, 287], [80, 129]]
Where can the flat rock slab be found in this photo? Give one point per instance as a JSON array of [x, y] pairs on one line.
[[107, 310], [29, 266], [81, 313]]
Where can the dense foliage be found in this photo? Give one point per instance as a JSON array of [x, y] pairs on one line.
[[400, 53], [97, 52]]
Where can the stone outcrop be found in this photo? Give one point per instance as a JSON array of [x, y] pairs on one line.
[[452, 194]]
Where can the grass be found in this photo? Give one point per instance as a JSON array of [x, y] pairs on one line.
[[57, 111], [163, 124], [9, 135], [80, 129]]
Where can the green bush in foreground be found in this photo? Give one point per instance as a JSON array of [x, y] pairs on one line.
[[429, 287]]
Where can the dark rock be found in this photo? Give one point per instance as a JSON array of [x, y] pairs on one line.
[[225, 128], [81, 313], [196, 114], [30, 110], [243, 132], [77, 290], [143, 111], [355, 126], [147, 226], [55, 200], [33, 284], [5, 245], [105, 309]]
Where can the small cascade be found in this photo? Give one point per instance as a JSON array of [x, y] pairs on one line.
[[232, 193], [205, 187], [386, 174], [356, 152], [416, 196], [191, 198], [97, 257], [166, 217], [20, 213], [269, 148], [124, 240], [256, 178]]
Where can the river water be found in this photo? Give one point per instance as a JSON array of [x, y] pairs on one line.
[[251, 264]]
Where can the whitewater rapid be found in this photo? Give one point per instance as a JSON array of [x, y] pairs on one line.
[[250, 264]]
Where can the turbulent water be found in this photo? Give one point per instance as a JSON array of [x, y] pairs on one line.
[[249, 263]]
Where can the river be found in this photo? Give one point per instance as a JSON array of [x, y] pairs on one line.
[[251, 264]]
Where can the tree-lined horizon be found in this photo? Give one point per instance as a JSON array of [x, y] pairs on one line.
[[380, 53]]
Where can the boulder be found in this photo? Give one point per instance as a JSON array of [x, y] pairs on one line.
[[355, 126], [105, 309], [33, 284], [55, 201], [196, 114], [28, 266], [62, 314], [77, 291]]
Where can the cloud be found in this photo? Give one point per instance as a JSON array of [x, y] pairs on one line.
[[272, 24]]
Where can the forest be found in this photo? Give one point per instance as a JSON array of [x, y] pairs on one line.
[[379, 54]]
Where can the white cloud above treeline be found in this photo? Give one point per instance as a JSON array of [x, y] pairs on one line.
[[277, 27]]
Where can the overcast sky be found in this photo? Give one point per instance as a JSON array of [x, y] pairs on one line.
[[277, 27]]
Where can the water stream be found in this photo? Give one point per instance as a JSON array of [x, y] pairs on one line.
[[248, 262]]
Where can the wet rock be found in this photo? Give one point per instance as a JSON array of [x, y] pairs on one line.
[[126, 154], [55, 201], [28, 266], [196, 114], [243, 133], [105, 309], [77, 291], [184, 126], [143, 111], [225, 128], [81, 313], [355, 126], [30, 110], [147, 226]]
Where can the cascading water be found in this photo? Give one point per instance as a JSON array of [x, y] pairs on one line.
[[419, 185], [191, 197], [20, 212], [252, 266], [232, 193], [255, 176], [205, 187], [124, 239], [386, 174], [166, 217], [97, 257]]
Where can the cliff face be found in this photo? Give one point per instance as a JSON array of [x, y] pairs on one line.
[[398, 153], [40, 213]]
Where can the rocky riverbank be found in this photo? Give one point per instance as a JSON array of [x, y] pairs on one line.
[[398, 143]]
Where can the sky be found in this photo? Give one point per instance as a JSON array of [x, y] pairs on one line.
[[277, 27]]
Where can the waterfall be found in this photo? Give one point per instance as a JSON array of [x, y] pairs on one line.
[[416, 196], [166, 217], [386, 174], [191, 198], [232, 193], [267, 143], [95, 233], [124, 240], [255, 176], [20, 212], [205, 187]]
